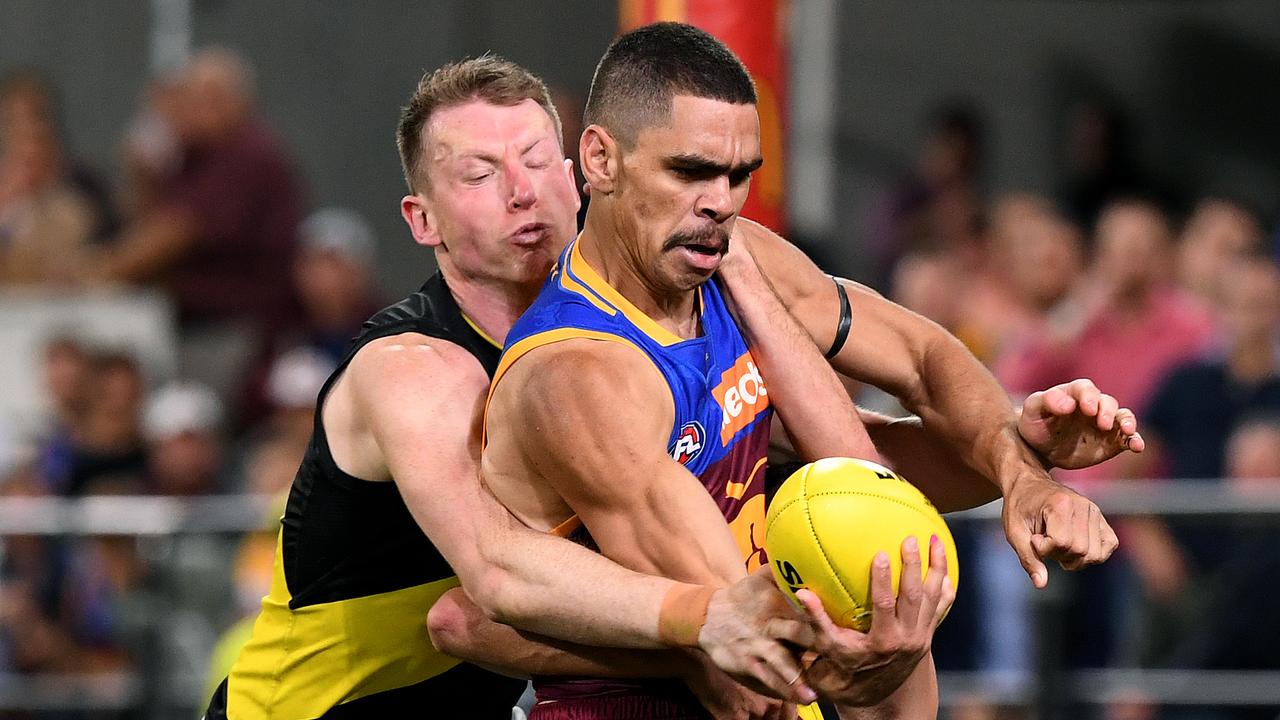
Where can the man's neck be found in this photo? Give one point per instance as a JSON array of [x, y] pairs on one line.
[[603, 251], [492, 307]]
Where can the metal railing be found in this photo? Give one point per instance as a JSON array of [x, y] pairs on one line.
[[1048, 687]]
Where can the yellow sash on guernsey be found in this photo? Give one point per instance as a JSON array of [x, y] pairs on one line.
[[300, 663], [810, 712]]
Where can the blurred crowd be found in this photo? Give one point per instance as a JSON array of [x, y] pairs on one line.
[[1172, 306], [210, 211]]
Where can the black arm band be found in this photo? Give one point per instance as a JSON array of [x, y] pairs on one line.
[[846, 319]]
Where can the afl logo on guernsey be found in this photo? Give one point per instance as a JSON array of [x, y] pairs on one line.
[[688, 443]]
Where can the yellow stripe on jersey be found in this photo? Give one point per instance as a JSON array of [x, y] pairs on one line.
[[483, 335], [569, 283], [737, 490], [592, 280], [300, 663]]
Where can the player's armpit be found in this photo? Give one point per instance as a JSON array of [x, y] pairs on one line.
[[591, 419]]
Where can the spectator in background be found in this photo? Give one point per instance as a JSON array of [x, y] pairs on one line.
[[221, 232], [1198, 405], [1098, 159], [184, 448], [918, 214], [955, 255], [1189, 425], [333, 272], [1218, 232], [152, 151], [998, 286], [61, 600], [293, 385], [47, 219], [1035, 260], [1124, 326], [99, 401], [1239, 621]]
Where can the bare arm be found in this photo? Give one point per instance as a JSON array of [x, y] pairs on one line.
[[1071, 425], [808, 396], [613, 412], [149, 247], [928, 462], [530, 579], [957, 399], [461, 629], [458, 627]]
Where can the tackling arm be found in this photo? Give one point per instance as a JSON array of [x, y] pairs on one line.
[[527, 578]]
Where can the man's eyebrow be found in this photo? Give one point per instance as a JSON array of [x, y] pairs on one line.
[[480, 155], [486, 156], [701, 164]]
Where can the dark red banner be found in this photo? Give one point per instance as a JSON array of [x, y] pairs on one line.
[[754, 29]]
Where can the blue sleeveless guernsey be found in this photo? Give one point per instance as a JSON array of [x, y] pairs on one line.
[[721, 428]]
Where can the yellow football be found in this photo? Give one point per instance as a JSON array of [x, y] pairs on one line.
[[828, 521]]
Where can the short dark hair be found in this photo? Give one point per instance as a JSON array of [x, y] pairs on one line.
[[490, 78], [644, 69]]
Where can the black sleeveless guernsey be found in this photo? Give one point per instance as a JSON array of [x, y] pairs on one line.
[[343, 631]]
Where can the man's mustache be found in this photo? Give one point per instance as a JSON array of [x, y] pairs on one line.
[[706, 236]]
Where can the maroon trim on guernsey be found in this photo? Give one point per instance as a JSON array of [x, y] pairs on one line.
[[622, 707]]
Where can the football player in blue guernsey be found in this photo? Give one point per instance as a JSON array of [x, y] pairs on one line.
[[629, 413]]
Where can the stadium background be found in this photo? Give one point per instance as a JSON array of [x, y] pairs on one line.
[[1193, 83]]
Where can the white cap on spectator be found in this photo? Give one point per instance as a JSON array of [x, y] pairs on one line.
[[181, 407], [297, 376], [339, 230]]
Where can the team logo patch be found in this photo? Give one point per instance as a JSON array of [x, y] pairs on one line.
[[688, 443]]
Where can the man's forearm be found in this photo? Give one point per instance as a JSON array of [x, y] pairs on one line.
[[961, 403], [808, 396], [930, 463], [915, 699], [936, 377], [460, 628], [553, 587]]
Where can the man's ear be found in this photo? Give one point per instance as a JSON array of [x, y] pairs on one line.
[[573, 182], [419, 215], [600, 162]]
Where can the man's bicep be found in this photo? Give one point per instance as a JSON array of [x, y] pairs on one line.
[[883, 341], [580, 409], [604, 416], [888, 344], [421, 401]]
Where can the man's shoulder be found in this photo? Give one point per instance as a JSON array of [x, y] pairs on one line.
[[413, 359]]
